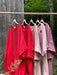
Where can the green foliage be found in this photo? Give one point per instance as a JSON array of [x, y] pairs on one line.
[[55, 72], [55, 24], [55, 5], [36, 6], [56, 53]]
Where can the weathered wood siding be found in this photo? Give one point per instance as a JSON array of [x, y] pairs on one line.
[[6, 20]]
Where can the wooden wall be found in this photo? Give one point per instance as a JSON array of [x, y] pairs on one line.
[[6, 20]]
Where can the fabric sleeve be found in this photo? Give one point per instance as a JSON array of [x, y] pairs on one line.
[[50, 43], [50, 55], [51, 48]]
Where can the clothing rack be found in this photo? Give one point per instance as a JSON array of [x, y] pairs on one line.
[[28, 13]]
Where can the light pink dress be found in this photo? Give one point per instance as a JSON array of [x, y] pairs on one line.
[[43, 45], [40, 50], [37, 50]]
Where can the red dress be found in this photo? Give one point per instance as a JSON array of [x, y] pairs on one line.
[[15, 51], [29, 54]]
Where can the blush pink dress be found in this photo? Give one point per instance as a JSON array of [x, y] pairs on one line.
[[43, 45], [40, 50], [37, 50]]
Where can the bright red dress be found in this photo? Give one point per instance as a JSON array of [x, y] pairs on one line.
[[15, 51], [29, 54]]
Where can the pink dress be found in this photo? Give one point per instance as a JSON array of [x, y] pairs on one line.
[[43, 45], [50, 49], [40, 50], [37, 50]]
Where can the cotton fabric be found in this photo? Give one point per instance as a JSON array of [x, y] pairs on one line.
[[50, 66], [43, 45], [30, 48], [40, 50], [15, 50], [37, 50], [50, 49]]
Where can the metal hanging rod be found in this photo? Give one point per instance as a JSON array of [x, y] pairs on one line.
[[28, 13]]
